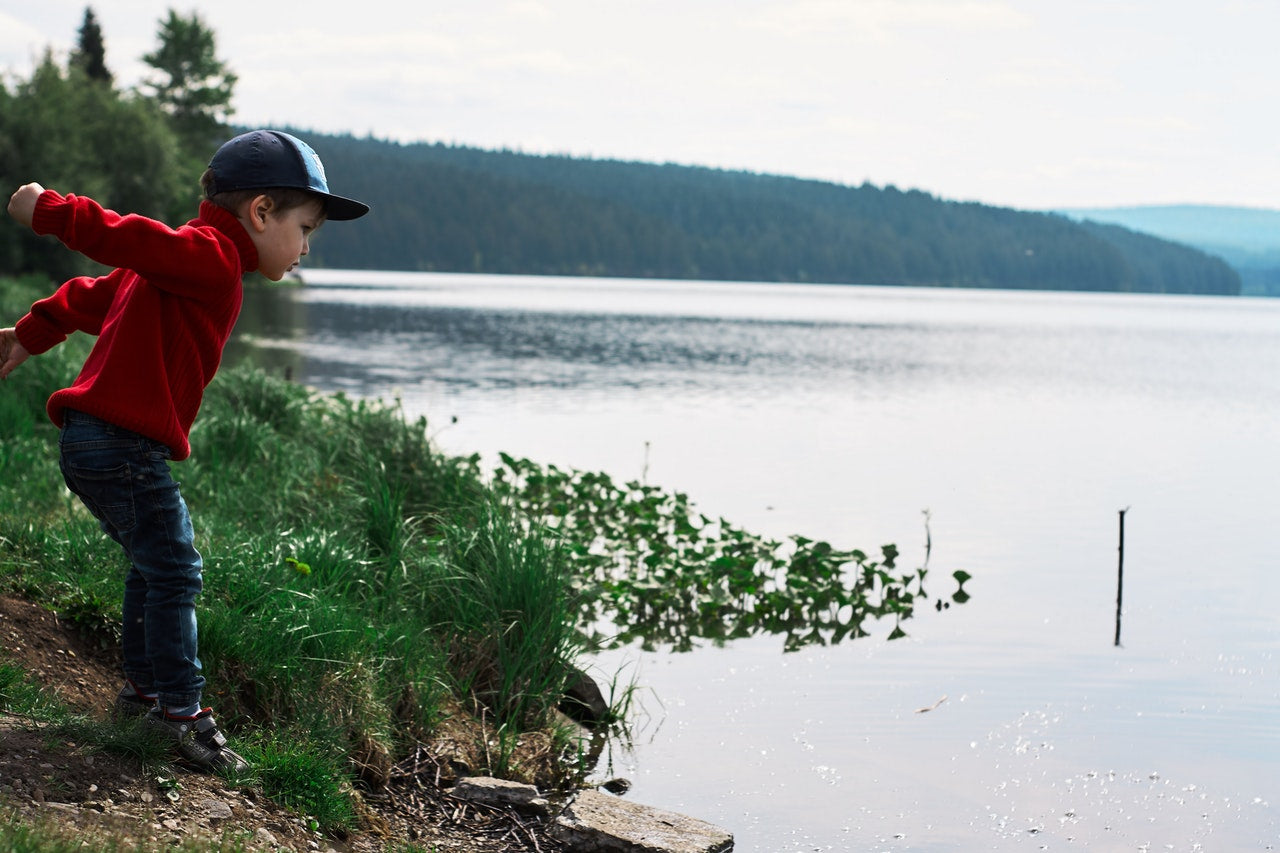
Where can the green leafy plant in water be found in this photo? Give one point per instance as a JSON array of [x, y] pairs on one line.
[[651, 568]]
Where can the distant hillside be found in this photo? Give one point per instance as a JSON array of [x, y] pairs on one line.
[[449, 208], [1246, 238]]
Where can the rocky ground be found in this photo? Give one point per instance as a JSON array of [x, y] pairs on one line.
[[92, 792]]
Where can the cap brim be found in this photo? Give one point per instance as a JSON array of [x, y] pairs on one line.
[[343, 209]]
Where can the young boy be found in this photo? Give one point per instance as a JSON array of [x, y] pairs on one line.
[[161, 319]]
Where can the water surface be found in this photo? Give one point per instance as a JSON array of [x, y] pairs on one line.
[[1021, 423]]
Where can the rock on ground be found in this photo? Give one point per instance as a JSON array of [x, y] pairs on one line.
[[600, 823]]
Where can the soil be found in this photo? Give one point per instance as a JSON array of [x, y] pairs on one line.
[[45, 778]]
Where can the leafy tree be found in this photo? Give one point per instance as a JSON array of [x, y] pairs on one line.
[[142, 152], [91, 53], [10, 238], [118, 149], [191, 85]]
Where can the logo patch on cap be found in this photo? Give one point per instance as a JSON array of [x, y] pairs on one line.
[[317, 165]]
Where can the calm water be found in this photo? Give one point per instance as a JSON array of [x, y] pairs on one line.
[[1022, 423]]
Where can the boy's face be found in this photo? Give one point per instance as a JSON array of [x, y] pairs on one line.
[[282, 238]]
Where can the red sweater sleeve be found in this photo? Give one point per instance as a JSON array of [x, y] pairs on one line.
[[187, 261], [78, 306], [161, 318]]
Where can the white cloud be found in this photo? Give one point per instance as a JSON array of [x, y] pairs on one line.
[[21, 44], [1022, 102], [884, 20]]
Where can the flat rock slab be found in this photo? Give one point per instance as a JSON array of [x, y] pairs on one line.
[[600, 823], [499, 793]]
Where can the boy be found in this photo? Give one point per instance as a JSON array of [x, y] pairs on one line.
[[161, 319]]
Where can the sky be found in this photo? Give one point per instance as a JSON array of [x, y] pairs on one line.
[[1031, 104]]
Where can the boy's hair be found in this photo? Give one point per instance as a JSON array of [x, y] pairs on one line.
[[284, 198]]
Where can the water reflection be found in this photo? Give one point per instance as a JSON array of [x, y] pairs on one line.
[[271, 331], [370, 339]]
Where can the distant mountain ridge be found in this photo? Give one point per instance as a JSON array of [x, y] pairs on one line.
[[454, 208], [1247, 238]]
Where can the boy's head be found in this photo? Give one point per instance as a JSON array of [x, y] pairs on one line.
[[278, 164]]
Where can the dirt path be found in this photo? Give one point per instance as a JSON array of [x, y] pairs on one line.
[[42, 778]]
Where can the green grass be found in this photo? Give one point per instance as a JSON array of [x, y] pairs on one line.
[[304, 774], [22, 697], [359, 585], [362, 588]]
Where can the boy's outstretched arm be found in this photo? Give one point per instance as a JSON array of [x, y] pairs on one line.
[[22, 207], [22, 204], [12, 352]]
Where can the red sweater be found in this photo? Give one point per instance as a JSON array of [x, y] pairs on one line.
[[161, 318]]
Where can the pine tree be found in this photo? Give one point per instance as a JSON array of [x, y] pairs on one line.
[[191, 84], [91, 52]]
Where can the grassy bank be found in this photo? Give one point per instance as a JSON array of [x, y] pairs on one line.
[[360, 588], [364, 592]]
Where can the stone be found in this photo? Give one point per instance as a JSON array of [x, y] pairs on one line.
[[583, 702], [600, 823], [617, 785], [499, 793], [216, 809], [66, 808]]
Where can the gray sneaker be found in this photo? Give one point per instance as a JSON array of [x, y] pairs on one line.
[[131, 706], [198, 740]]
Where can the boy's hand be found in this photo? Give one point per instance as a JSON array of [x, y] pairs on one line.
[[22, 204], [12, 352]]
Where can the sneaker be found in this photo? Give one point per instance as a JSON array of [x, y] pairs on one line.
[[198, 740], [130, 706]]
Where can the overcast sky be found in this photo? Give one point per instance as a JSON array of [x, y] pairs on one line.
[[1021, 103]]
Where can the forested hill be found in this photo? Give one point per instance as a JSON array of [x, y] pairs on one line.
[[450, 208], [1247, 238]]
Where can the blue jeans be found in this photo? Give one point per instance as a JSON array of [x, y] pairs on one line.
[[124, 480]]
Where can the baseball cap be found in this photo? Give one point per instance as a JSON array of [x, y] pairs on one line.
[[261, 159]]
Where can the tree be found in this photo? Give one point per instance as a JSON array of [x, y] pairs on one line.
[[91, 140], [191, 85], [91, 52]]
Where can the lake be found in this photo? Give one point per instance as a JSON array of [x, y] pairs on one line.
[[1007, 429]]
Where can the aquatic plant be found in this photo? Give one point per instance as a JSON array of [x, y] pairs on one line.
[[652, 568]]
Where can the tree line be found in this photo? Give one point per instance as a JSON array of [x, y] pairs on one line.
[[456, 208]]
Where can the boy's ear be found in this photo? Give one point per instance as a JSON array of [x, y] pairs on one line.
[[259, 207]]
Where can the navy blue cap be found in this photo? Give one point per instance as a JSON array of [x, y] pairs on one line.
[[261, 159]]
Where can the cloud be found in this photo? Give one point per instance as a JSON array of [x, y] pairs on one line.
[[883, 20], [20, 43], [1004, 100]]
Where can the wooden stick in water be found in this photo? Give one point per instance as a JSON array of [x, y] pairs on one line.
[[1120, 577]]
